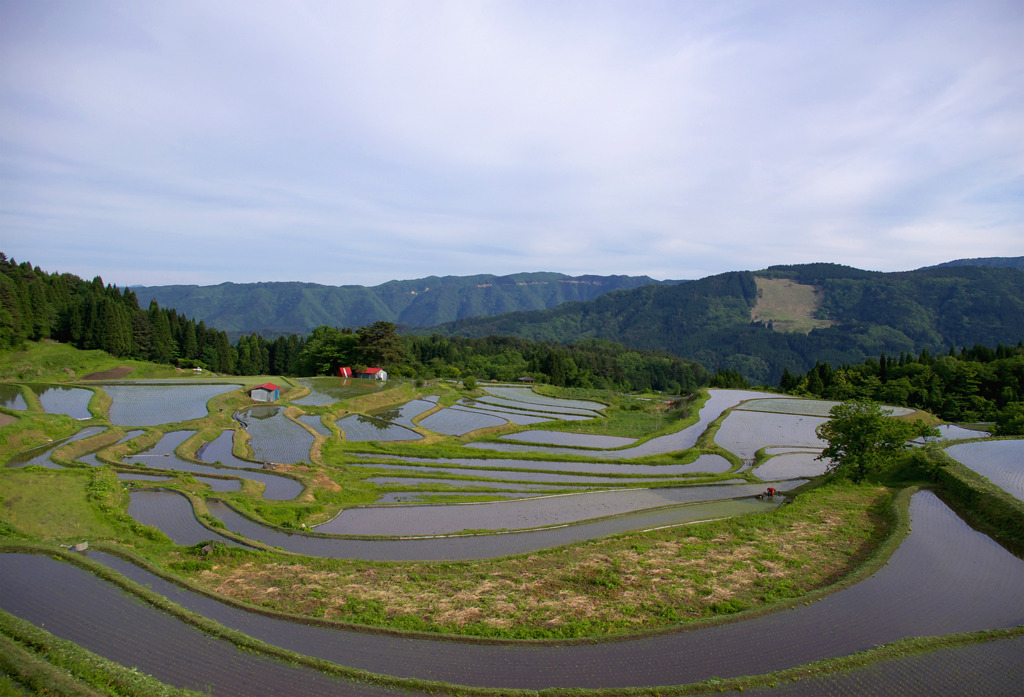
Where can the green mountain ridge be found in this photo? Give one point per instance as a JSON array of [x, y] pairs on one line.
[[277, 308], [709, 320]]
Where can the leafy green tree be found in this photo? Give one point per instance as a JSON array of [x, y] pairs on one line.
[[1010, 420], [863, 437], [379, 345]]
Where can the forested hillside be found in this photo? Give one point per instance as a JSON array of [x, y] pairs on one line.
[[273, 309], [36, 305], [710, 320]]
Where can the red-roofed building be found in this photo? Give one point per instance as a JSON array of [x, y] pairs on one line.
[[344, 372], [372, 374], [267, 392]]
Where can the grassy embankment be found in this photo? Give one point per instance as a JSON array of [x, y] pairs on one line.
[[621, 584]]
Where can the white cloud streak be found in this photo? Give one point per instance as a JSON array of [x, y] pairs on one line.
[[346, 142]]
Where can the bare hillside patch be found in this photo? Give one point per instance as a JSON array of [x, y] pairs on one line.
[[788, 305]]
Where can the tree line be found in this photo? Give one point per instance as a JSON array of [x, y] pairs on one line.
[[974, 384], [36, 305]]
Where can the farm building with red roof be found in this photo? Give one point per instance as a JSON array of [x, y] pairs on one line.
[[267, 392]]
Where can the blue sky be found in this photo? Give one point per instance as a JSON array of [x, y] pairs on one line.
[[359, 142]]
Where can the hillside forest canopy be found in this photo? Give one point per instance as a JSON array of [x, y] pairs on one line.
[[35, 305]]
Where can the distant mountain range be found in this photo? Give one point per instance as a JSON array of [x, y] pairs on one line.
[[272, 309], [758, 323], [999, 262]]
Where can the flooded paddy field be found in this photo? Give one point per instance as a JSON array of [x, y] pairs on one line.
[[743, 433], [458, 422], [578, 440], [527, 395], [442, 519], [422, 496], [358, 427], [954, 432], [275, 437], [944, 578], [786, 465], [12, 398], [705, 464], [717, 404], [161, 456], [518, 418], [510, 475], [40, 455], [71, 401], [138, 635], [403, 414], [220, 450], [172, 514], [485, 546], [328, 390], [398, 480], [989, 668], [1000, 461], [315, 423], [539, 408], [161, 403]]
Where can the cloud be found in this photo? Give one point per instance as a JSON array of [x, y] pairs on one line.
[[205, 142]]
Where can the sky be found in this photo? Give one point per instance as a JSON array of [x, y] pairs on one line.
[[197, 142]]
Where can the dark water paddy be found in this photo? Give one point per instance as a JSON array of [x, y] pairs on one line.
[[11, 398], [161, 456], [413, 481], [40, 455], [527, 395], [220, 450], [77, 606], [535, 407], [717, 403], [578, 440], [422, 496], [151, 405], [275, 437], [710, 464], [1001, 461], [945, 578], [72, 401], [506, 475], [315, 423], [403, 414], [327, 390], [510, 417], [359, 427], [564, 509], [458, 422], [477, 546]]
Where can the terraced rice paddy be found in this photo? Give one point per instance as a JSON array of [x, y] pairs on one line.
[[358, 427], [745, 432], [405, 414], [72, 401], [275, 437], [1000, 461], [577, 440], [804, 407], [528, 513], [944, 578], [40, 455], [160, 403], [220, 449], [498, 475], [787, 465], [315, 423], [456, 422], [161, 456], [11, 398], [326, 390], [705, 464]]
